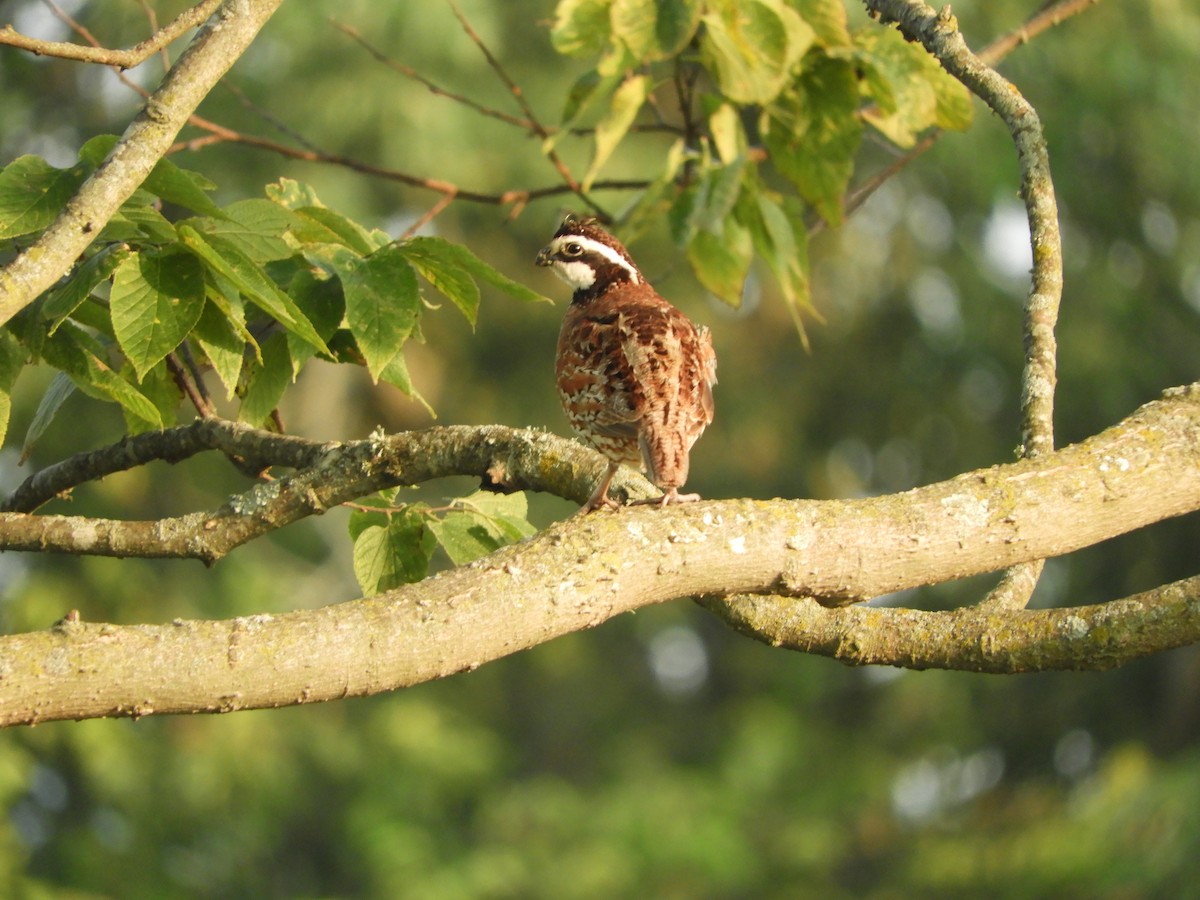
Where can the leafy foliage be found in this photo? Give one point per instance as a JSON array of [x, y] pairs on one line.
[[396, 544], [252, 291], [785, 90]]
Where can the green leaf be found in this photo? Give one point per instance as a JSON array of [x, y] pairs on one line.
[[256, 226], [610, 130], [161, 389], [322, 301], [182, 187], [60, 388], [468, 262], [156, 300], [396, 374], [81, 357], [721, 263], [227, 260], [146, 221], [383, 301], [675, 25], [723, 186], [483, 523], [12, 361], [955, 111], [166, 180], [588, 91], [437, 262], [267, 381], [318, 224], [813, 133], [33, 193], [649, 207], [581, 27], [828, 21], [728, 136], [292, 194], [64, 299], [751, 46], [784, 249], [223, 345], [912, 91], [387, 556]]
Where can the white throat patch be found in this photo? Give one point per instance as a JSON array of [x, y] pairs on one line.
[[578, 275]]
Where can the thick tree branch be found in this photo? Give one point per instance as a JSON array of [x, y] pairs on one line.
[[122, 59], [327, 475], [972, 639], [214, 49], [581, 572]]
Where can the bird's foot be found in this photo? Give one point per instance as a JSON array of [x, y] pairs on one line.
[[669, 497]]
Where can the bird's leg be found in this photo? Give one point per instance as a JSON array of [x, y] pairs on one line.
[[600, 496]]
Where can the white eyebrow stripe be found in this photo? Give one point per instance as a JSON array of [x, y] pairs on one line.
[[604, 250]]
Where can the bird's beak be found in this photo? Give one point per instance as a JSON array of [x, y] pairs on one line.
[[544, 258]]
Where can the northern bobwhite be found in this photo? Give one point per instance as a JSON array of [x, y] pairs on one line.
[[635, 376]]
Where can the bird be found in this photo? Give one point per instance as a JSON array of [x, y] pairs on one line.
[[634, 374]]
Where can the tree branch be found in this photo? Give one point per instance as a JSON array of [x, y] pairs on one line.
[[122, 59], [581, 572], [939, 34], [328, 475], [214, 49], [1097, 637]]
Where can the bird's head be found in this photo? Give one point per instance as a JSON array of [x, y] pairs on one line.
[[587, 257]]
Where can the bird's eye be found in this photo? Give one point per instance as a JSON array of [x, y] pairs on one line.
[[573, 249]]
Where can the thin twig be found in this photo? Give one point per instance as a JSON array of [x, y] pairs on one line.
[[180, 376], [519, 95], [939, 34], [429, 216], [218, 133], [95, 53], [433, 87], [1051, 14]]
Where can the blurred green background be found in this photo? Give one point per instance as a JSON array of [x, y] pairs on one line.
[[660, 755]]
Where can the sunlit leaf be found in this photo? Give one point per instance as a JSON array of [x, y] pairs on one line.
[[581, 27], [912, 91], [292, 194], [482, 523], [654, 29], [12, 361], [751, 46], [156, 300], [813, 133], [256, 226], [611, 129], [722, 262], [319, 224], [394, 553], [828, 20]]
